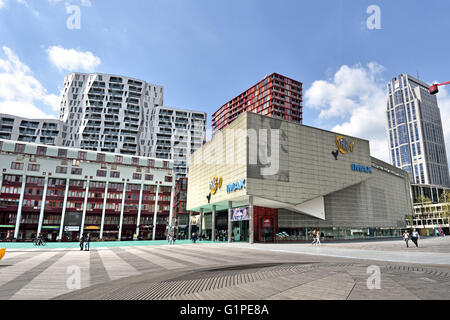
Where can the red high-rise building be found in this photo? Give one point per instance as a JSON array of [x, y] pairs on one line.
[[276, 96]]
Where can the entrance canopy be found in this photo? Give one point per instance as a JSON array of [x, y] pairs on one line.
[[314, 207]]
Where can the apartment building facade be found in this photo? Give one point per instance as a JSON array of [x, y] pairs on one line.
[[275, 96], [176, 134], [66, 192], [45, 131], [108, 113]]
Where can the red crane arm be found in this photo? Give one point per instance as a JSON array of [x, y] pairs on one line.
[[434, 87], [443, 84]]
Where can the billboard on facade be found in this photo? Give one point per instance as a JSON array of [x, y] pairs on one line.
[[195, 220], [240, 214]]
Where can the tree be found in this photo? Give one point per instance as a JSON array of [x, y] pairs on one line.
[[423, 200], [445, 197]]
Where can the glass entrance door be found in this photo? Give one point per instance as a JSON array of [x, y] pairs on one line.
[[240, 230]]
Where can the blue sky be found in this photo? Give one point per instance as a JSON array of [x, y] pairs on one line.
[[205, 52]]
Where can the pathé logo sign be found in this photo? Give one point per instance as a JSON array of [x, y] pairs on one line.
[[344, 145], [215, 184]]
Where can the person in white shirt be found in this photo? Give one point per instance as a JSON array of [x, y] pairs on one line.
[[415, 237], [406, 237]]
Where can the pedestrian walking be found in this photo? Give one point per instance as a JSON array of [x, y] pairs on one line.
[[314, 236], [415, 237], [174, 238], [406, 238], [87, 246], [317, 237], [81, 243]]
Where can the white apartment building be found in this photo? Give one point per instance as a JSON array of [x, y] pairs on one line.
[[108, 113], [175, 134], [414, 131], [45, 131], [112, 113]]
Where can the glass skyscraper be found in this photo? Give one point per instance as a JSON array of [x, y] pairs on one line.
[[414, 130]]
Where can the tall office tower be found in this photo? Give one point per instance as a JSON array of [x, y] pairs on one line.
[[45, 131], [414, 130], [276, 96], [175, 134], [108, 113]]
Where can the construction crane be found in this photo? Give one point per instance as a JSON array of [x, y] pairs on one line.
[[434, 87]]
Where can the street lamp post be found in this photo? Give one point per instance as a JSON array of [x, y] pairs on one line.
[[434, 87]]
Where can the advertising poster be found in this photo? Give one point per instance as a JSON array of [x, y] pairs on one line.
[[195, 220], [240, 214]]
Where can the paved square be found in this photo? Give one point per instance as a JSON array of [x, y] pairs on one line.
[[235, 271]]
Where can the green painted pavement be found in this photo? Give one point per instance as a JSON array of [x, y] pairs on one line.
[[100, 244]]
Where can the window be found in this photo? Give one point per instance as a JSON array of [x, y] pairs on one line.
[[418, 149], [119, 159], [405, 155], [62, 153], [16, 166], [397, 157], [398, 97], [417, 131], [33, 167], [41, 151], [151, 163], [77, 171], [82, 155], [115, 174], [395, 138], [422, 173], [402, 134], [137, 176], [165, 164], [135, 161], [400, 113], [411, 132], [149, 177], [19, 148], [101, 157], [101, 173], [168, 179], [61, 170]]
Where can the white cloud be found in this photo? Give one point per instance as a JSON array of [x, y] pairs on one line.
[[2, 3], [20, 90], [356, 96], [84, 3], [72, 60]]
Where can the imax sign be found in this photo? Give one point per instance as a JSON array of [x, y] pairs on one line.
[[357, 167], [239, 185]]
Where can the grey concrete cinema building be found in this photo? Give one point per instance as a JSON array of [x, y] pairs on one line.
[[263, 179]]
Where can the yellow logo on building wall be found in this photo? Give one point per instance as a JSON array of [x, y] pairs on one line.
[[215, 184], [344, 145]]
